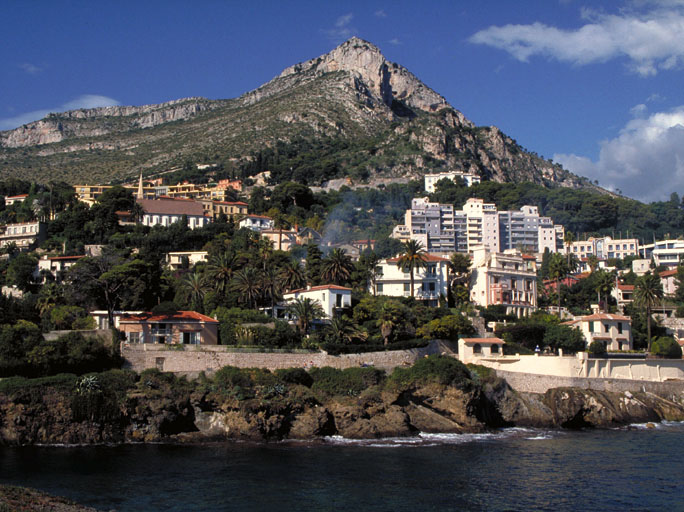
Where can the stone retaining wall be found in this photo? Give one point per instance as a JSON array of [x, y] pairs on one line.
[[535, 383], [192, 359]]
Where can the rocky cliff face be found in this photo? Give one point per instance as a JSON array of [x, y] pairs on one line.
[[95, 122], [185, 415], [391, 125]]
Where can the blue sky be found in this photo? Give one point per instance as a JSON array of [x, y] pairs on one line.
[[597, 86]]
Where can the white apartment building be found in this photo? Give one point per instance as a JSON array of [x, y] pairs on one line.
[[614, 331], [164, 212], [331, 297], [56, 266], [666, 252], [176, 260], [256, 222], [505, 279], [605, 247], [428, 283], [26, 235], [432, 179], [442, 230]]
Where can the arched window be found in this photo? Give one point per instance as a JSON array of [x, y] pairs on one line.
[[495, 348], [477, 349]]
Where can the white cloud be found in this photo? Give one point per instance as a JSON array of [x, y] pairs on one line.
[[341, 31], [84, 101], [395, 41], [381, 14], [645, 161], [31, 69], [652, 41]]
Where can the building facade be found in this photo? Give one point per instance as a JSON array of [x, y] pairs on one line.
[[26, 235], [430, 282], [605, 248], [505, 279], [164, 212], [431, 180], [331, 297], [668, 253], [615, 331], [181, 327]]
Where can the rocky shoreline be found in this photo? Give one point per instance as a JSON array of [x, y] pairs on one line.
[[185, 414]]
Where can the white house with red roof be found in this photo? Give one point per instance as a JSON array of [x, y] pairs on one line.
[[623, 294], [430, 282], [668, 279], [615, 331], [180, 327], [55, 266], [475, 348], [331, 297], [256, 222], [167, 211], [10, 200]]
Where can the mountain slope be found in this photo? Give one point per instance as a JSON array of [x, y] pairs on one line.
[[347, 113]]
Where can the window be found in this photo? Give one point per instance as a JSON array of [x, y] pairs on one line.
[[379, 287], [591, 326], [134, 337], [606, 327], [477, 349], [495, 348], [619, 328], [338, 300], [191, 338], [407, 287]]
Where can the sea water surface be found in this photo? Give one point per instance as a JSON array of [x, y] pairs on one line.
[[637, 468]]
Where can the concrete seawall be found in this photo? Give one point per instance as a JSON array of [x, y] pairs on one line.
[[192, 359], [535, 383]]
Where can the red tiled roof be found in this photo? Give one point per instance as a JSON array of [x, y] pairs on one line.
[[66, 257], [626, 287], [239, 203], [667, 273], [17, 196], [529, 257], [172, 207], [497, 341], [178, 316], [428, 257], [321, 287], [605, 316]]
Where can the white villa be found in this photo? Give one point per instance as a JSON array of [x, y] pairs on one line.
[[429, 282], [613, 330], [330, 296]]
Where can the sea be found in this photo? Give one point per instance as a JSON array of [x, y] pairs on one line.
[[636, 468]]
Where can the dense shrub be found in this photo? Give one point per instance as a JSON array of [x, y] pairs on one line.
[[528, 335], [295, 376], [350, 381], [446, 328], [497, 313], [666, 346], [435, 368], [511, 349], [72, 353], [230, 377], [564, 337], [12, 386], [597, 348]]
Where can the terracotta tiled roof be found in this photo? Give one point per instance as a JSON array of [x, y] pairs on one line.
[[237, 203], [172, 207], [667, 273], [321, 287], [428, 257], [497, 341], [17, 196], [604, 316], [529, 257], [178, 316], [53, 258]]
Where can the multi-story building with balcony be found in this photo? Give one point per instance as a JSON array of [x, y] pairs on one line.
[[668, 253], [54, 267], [181, 327], [443, 230], [506, 279], [614, 331], [431, 180], [25, 235], [604, 248], [429, 283]]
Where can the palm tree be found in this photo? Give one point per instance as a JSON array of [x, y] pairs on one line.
[[388, 320], [648, 291], [568, 238], [193, 286], [280, 223], [459, 273], [220, 270], [48, 298], [272, 287], [593, 262], [337, 267], [368, 261], [247, 284], [413, 257], [342, 330], [292, 275], [604, 284], [558, 269], [305, 310]]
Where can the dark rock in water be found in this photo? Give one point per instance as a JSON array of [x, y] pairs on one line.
[[30, 500]]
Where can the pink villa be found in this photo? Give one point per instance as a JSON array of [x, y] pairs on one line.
[[181, 327]]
